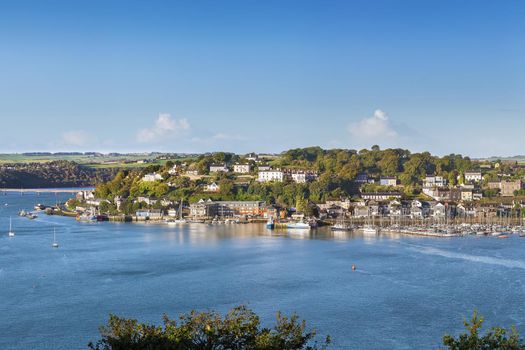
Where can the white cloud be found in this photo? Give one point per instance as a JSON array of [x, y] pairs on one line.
[[374, 128], [164, 126], [77, 138]]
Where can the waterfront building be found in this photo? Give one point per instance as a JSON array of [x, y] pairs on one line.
[[210, 209], [264, 167]]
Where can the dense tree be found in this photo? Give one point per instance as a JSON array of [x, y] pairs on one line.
[[239, 329]]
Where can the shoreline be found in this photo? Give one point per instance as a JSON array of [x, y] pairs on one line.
[[46, 190]]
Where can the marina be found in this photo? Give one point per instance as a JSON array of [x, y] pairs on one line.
[[426, 283]]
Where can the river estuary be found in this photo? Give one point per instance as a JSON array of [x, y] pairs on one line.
[[405, 294]]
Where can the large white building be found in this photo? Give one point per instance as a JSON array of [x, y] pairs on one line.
[[473, 176], [152, 177], [215, 168], [434, 181], [241, 168], [270, 175]]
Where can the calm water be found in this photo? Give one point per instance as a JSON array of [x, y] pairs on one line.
[[406, 293]]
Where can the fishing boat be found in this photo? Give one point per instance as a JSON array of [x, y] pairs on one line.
[[270, 224], [55, 243], [22, 213], [87, 217], [521, 234], [11, 233]]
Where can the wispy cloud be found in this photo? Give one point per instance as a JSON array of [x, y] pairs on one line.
[[164, 126], [76, 138], [374, 128]]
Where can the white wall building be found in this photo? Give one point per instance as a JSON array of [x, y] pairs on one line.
[[152, 177], [271, 175], [473, 176], [241, 168]]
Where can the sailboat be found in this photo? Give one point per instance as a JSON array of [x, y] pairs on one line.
[[10, 233], [55, 243], [180, 220]]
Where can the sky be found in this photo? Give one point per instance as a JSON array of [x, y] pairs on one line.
[[447, 76]]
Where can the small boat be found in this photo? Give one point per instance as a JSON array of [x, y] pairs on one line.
[[270, 224], [55, 243], [87, 217], [496, 233], [299, 225], [521, 234], [503, 236], [22, 213], [370, 230], [11, 232], [342, 227]]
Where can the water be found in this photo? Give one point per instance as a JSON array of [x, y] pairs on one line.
[[406, 293]]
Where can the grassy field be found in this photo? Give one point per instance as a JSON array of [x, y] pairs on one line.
[[124, 162]]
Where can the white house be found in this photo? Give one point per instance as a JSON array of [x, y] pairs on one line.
[[473, 176], [213, 187], [264, 168], [434, 181], [271, 175], [216, 168], [388, 181], [152, 177], [241, 168]]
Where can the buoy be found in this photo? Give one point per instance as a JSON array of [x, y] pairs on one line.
[[354, 267]]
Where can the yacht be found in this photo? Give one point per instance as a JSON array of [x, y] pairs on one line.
[[55, 243], [270, 224], [10, 233], [370, 230], [180, 220], [299, 225]]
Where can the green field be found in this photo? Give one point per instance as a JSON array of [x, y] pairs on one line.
[[124, 161]]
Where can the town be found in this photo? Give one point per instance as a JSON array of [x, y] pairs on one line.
[[297, 189]]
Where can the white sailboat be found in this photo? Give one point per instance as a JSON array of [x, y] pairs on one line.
[[10, 233], [55, 243], [180, 220]]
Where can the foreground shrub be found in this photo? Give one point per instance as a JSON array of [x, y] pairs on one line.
[[495, 339], [239, 329]]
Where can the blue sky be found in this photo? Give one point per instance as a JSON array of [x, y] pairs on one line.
[[192, 76]]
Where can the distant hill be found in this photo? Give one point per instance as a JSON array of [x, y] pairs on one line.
[[51, 174]]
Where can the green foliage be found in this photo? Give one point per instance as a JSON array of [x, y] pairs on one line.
[[495, 339], [337, 168], [239, 329]]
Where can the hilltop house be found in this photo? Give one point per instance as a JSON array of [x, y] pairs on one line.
[[241, 168], [473, 176], [152, 177], [388, 181], [434, 181], [216, 168], [270, 175], [213, 187]]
